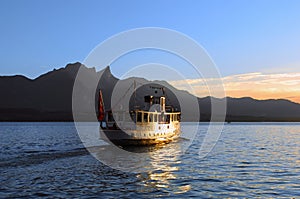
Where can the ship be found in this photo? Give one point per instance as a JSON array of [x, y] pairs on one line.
[[154, 124]]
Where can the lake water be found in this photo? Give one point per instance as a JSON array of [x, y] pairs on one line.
[[259, 160]]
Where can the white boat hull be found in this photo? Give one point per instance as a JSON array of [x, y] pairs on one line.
[[143, 134]]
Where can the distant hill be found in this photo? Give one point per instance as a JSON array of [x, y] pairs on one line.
[[49, 98]]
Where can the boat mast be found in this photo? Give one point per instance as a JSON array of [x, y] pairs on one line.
[[134, 87]]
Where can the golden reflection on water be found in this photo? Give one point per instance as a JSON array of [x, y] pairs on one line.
[[157, 167], [165, 165]]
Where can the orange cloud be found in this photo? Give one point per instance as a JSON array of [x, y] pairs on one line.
[[256, 85]]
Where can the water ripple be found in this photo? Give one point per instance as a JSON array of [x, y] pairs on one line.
[[249, 161]]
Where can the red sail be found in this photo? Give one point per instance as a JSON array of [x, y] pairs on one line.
[[101, 107]]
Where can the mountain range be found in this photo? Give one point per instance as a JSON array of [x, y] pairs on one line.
[[49, 98]]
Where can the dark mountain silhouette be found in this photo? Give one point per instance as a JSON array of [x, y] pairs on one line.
[[49, 98], [247, 108]]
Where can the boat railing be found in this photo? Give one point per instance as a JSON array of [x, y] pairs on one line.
[[128, 120]]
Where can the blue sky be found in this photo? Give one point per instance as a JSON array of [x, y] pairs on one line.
[[241, 36]]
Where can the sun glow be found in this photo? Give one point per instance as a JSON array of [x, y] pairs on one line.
[[256, 85]]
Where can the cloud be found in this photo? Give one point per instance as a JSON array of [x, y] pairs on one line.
[[256, 85], [292, 67]]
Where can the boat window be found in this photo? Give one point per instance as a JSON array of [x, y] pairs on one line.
[[150, 117], [139, 117], [145, 117], [160, 118], [168, 119]]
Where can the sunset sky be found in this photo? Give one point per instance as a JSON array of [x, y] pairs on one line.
[[254, 44], [256, 85]]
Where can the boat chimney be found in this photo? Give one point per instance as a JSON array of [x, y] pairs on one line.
[[163, 104]]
